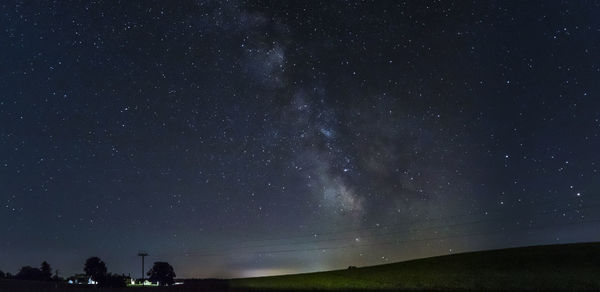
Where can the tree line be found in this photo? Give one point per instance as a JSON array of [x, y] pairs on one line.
[[95, 269], [43, 273]]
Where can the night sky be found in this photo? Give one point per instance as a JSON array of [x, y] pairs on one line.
[[254, 138]]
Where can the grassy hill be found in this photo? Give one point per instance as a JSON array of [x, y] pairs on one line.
[[551, 267]]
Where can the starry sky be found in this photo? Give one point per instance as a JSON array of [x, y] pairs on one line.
[[251, 138]]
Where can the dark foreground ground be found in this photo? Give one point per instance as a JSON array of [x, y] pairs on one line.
[[572, 267]]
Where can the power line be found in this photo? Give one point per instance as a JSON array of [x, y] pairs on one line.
[[388, 233], [436, 238], [417, 221], [224, 251]]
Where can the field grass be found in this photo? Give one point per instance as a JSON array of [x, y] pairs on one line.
[[37, 286], [551, 267]]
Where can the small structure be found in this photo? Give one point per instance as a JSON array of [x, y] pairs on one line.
[[148, 283], [81, 279], [139, 282]]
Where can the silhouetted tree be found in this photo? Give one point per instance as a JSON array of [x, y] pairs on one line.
[[46, 271], [29, 273], [95, 268], [2, 275], [162, 272]]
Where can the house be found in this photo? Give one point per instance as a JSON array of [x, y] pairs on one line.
[[81, 279], [138, 282]]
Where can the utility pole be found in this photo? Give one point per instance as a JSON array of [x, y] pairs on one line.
[[142, 254]]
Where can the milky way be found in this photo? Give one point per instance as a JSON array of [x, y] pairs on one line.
[[254, 138]]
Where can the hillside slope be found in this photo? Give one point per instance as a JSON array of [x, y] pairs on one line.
[[568, 266]]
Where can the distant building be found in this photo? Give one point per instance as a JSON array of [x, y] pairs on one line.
[[138, 282], [81, 279]]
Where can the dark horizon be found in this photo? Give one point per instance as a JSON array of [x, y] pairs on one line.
[[253, 138]]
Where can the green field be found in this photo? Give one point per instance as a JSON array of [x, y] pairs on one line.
[[551, 267]]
